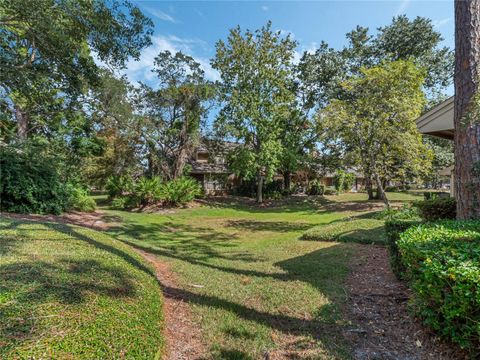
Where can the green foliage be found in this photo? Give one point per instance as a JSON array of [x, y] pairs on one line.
[[437, 209], [330, 190], [118, 185], [431, 195], [442, 263], [180, 191], [393, 229], [257, 94], [151, 191], [315, 187], [147, 191], [406, 212], [30, 182], [343, 181], [79, 199], [173, 112], [364, 231], [377, 121]]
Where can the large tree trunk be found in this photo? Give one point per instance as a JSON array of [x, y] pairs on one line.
[[259, 187], [369, 188], [22, 122], [467, 123]]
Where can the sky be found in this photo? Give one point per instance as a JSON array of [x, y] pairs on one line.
[[194, 27]]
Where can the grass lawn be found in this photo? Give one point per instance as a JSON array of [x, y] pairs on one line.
[[363, 230], [253, 285], [72, 293]]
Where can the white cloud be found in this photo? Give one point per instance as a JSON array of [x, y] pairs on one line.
[[402, 7], [141, 70], [441, 22], [265, 7], [161, 15]]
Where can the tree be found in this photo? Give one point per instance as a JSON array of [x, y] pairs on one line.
[[257, 97], [117, 127], [377, 122], [417, 40], [173, 113], [467, 108], [47, 50], [443, 157]]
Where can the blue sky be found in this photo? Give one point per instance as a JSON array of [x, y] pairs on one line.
[[194, 26]]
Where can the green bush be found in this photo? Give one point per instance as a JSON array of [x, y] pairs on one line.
[[431, 195], [406, 212], [180, 191], [147, 191], [30, 182], [437, 209], [343, 181], [118, 185], [315, 187], [393, 229], [79, 199], [442, 262], [365, 231], [330, 190]]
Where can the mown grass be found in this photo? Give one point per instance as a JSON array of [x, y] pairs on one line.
[[253, 285], [358, 230], [72, 293]]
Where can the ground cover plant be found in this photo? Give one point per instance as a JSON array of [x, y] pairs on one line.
[[72, 292], [442, 263]]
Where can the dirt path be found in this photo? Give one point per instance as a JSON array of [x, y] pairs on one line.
[[382, 327], [183, 338]]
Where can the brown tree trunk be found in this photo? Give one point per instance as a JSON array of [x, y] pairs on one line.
[[381, 193], [369, 187], [259, 187], [466, 121], [22, 123]]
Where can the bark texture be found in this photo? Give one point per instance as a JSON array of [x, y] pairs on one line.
[[467, 127]]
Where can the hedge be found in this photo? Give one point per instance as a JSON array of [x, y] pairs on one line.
[[393, 229], [437, 209], [442, 264]]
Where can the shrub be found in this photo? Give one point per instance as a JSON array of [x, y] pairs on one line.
[[315, 187], [118, 185], [79, 199], [147, 191], [393, 229], [30, 182], [406, 212], [343, 181], [273, 189], [442, 262], [430, 195], [180, 191], [121, 202], [330, 190], [437, 209]]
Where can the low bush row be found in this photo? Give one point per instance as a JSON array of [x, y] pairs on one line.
[[127, 193], [442, 263]]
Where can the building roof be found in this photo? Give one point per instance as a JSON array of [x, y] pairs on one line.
[[439, 120]]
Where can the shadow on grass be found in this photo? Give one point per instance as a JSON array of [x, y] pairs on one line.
[[319, 268], [272, 226], [30, 283]]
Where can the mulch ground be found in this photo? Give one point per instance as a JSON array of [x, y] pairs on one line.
[[377, 307]]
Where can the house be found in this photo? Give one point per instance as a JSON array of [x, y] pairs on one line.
[[439, 122], [210, 168]]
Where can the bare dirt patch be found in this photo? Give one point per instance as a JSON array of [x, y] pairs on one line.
[[377, 307]]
